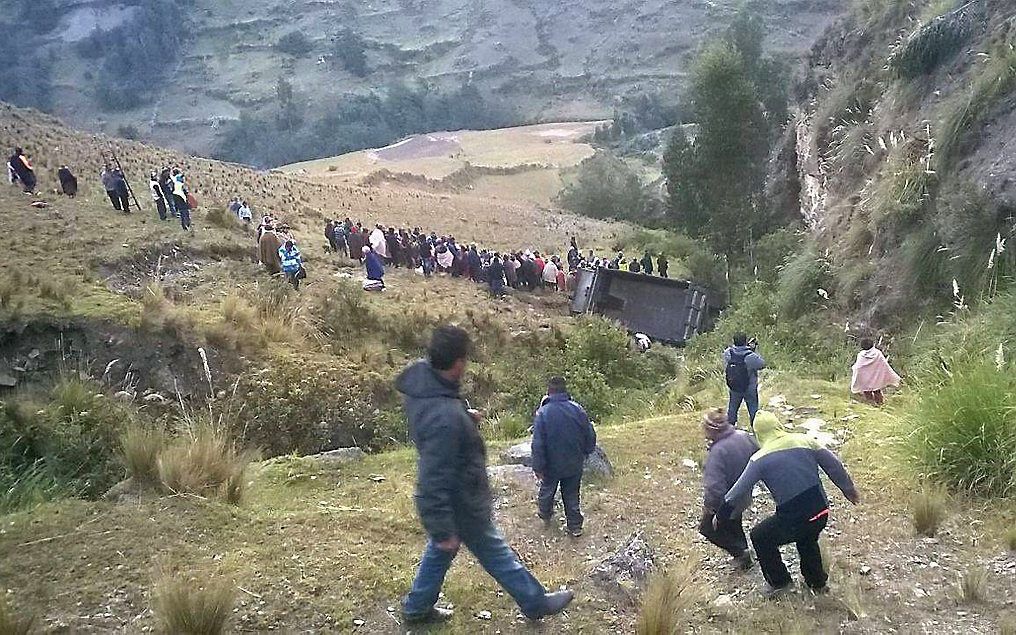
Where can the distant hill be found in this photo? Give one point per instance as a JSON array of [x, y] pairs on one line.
[[178, 74]]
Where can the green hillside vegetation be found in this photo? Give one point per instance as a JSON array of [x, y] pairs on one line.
[[170, 396]]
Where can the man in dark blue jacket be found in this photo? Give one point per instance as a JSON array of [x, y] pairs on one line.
[[453, 495], [562, 439]]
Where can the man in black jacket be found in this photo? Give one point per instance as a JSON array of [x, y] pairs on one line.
[[562, 439], [453, 495]]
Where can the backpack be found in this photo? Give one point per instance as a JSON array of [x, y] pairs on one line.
[[738, 377]]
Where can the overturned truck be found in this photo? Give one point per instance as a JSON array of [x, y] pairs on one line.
[[668, 311]]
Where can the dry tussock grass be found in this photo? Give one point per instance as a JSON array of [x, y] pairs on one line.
[[671, 596], [205, 461], [973, 585], [140, 447], [929, 510], [193, 606]]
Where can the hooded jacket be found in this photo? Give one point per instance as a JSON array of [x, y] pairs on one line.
[[562, 437], [728, 456], [452, 492], [788, 464]]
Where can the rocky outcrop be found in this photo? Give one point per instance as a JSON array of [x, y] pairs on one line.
[[340, 456], [626, 571]]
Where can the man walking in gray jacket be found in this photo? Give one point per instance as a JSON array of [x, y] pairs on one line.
[[562, 439], [453, 495]]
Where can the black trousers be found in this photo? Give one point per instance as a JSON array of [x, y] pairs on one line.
[[727, 535], [160, 205], [570, 487], [769, 535], [114, 198]]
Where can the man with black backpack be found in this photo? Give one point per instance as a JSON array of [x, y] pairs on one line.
[[742, 365]]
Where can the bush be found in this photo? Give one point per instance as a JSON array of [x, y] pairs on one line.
[[193, 606], [222, 217], [928, 510], [295, 43], [205, 461], [1010, 538], [802, 281], [965, 429], [605, 187], [931, 45], [350, 50]]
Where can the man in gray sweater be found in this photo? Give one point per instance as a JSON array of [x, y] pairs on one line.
[[729, 452]]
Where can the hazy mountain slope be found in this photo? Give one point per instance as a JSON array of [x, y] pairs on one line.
[[548, 60]]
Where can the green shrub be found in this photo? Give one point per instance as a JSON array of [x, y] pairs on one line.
[[295, 43], [964, 429], [605, 187], [802, 281]]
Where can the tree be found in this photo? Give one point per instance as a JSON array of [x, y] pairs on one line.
[[295, 43], [606, 188], [350, 50], [714, 184]]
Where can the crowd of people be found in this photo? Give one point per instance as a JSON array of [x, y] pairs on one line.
[[454, 499], [429, 253]]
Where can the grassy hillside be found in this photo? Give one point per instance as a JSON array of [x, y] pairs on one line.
[[107, 69]]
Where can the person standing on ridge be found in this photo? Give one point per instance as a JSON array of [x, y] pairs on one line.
[[121, 191], [788, 463], [647, 264], [21, 167], [157, 196], [562, 439], [292, 263], [728, 455], [662, 266], [68, 182], [742, 364], [180, 199], [453, 496]]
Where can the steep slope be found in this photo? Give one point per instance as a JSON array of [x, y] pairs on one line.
[[546, 60], [905, 159]]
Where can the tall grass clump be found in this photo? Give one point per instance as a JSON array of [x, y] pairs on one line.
[[222, 217], [671, 597], [140, 447], [802, 281], [191, 606], [928, 510], [13, 622], [205, 461], [932, 44], [973, 585], [964, 429], [991, 83]]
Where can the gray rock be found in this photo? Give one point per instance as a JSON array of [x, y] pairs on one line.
[[339, 456], [8, 380], [519, 454], [512, 475], [597, 464]]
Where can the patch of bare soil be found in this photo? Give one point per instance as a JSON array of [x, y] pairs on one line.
[[420, 147]]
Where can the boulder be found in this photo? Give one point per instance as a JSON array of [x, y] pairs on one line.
[[597, 464], [340, 456], [511, 475], [519, 454]]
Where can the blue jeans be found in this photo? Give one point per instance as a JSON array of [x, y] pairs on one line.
[[494, 555], [184, 212], [750, 398]]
